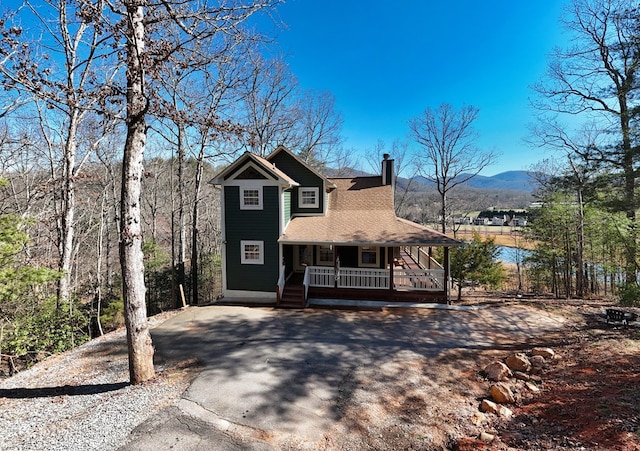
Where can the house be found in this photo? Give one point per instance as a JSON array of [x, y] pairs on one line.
[[291, 234], [481, 220]]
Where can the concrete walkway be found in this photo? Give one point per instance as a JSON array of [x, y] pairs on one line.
[[274, 374]]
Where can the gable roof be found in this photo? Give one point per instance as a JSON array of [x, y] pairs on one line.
[[275, 173], [361, 211], [282, 149]]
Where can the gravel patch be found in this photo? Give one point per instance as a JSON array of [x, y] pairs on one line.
[[81, 399]]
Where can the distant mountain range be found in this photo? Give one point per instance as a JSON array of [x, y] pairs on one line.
[[510, 180]]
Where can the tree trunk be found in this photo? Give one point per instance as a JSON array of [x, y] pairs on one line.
[[131, 256]]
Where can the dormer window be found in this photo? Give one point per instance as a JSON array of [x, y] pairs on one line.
[[308, 197], [251, 199]]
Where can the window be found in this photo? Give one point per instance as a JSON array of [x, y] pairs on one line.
[[252, 252], [368, 256], [308, 198], [250, 199], [325, 255]]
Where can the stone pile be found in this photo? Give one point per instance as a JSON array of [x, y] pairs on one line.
[[515, 378]]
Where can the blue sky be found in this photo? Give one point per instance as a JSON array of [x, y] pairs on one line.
[[385, 62]]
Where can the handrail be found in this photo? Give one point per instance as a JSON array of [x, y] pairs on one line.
[[306, 283], [281, 282]]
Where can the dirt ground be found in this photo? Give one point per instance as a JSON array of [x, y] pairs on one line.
[[590, 394]]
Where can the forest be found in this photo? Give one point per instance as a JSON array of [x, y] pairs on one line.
[[114, 118]]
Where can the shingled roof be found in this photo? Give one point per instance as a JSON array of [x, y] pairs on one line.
[[361, 211]]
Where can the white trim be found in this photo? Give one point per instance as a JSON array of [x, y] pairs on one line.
[[260, 251], [258, 190], [369, 249], [224, 240], [316, 196]]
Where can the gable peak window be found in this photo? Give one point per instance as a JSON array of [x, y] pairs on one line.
[[309, 197], [251, 198]]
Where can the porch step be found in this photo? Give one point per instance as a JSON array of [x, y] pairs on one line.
[[292, 297]]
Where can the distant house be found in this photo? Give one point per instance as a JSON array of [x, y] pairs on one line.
[[291, 234], [480, 220], [463, 220], [499, 220], [518, 222]]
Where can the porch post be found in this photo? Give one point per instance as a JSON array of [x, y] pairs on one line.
[[390, 260], [446, 274], [430, 257]]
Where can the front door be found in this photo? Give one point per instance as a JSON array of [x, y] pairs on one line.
[[302, 257]]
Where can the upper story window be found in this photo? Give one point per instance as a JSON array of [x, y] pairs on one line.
[[309, 197], [250, 199]]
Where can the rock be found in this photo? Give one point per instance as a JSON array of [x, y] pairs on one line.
[[547, 353], [532, 387], [489, 406], [521, 376], [486, 437], [505, 412], [519, 362], [537, 361], [501, 393], [497, 371], [478, 419], [492, 407], [535, 378]]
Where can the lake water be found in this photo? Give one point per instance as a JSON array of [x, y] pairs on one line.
[[511, 254]]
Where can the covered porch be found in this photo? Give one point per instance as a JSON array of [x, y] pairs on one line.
[[408, 273]]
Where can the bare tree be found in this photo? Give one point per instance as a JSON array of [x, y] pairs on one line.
[[595, 82], [56, 66], [449, 156], [269, 91], [318, 128], [195, 21]]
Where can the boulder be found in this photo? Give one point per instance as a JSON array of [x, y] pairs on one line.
[[519, 362], [497, 371], [547, 353], [489, 406], [505, 412], [492, 407], [537, 361], [533, 388], [502, 394], [486, 437]]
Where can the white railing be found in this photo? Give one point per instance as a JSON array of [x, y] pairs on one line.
[[306, 283], [419, 279], [363, 278], [422, 257], [281, 281], [374, 279], [321, 276]]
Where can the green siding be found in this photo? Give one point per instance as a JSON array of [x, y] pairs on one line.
[[287, 207], [302, 175], [261, 225]]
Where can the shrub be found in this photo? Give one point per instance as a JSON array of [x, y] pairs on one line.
[[630, 295]]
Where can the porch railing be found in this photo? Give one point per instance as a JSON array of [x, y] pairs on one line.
[[281, 282], [422, 257], [376, 279]]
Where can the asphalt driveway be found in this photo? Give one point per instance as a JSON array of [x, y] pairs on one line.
[[277, 373]]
